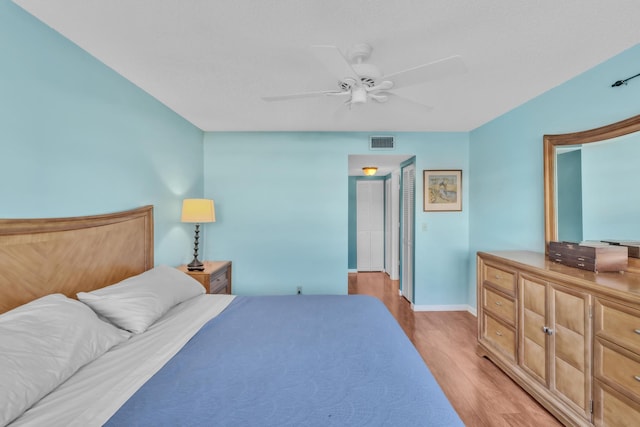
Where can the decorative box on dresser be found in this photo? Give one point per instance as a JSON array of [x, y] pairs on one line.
[[216, 276], [569, 337]]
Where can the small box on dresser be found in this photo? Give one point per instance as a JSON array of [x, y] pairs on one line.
[[598, 258], [633, 246], [216, 276]]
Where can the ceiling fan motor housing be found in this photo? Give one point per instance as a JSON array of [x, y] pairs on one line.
[[368, 75]]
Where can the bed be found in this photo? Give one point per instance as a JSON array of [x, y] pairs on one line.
[[199, 359]]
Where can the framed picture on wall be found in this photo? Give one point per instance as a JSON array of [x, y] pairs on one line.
[[442, 190]]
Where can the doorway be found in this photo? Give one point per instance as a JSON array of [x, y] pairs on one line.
[[397, 238]]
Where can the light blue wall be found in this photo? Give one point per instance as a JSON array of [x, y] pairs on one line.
[[284, 222], [78, 139], [506, 194]]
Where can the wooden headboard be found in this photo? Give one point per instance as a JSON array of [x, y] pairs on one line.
[[68, 255]]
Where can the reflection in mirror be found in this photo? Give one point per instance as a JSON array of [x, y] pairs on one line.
[[596, 198], [589, 185]]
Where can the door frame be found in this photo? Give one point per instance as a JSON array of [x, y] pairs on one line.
[[403, 165]]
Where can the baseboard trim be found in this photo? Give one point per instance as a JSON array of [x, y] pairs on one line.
[[352, 271], [453, 307]]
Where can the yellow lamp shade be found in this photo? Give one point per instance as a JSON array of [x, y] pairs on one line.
[[198, 210]]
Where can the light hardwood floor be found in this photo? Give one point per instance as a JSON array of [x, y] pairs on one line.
[[481, 393]]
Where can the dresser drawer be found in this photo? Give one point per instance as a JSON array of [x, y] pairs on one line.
[[500, 336], [618, 368], [613, 409], [502, 279], [499, 305], [618, 324]]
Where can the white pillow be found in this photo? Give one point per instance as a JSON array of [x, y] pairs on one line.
[[42, 344], [135, 303]]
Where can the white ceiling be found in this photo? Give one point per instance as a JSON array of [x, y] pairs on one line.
[[211, 61]]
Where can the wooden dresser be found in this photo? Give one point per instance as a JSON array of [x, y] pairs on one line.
[[569, 337]]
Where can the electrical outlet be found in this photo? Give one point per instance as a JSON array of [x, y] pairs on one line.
[[299, 290]]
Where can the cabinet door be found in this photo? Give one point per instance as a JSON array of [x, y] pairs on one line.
[[570, 339], [533, 320]]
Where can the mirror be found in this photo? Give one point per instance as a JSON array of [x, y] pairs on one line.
[[589, 189]]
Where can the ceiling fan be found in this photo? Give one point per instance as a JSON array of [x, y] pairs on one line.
[[360, 82]]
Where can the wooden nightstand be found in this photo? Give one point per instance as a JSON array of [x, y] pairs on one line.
[[216, 277]]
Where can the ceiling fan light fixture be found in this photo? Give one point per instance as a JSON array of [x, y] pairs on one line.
[[369, 170], [358, 95]]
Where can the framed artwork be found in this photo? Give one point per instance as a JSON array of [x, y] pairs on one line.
[[442, 190]]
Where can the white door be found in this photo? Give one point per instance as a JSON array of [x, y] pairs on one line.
[[408, 213], [370, 225]]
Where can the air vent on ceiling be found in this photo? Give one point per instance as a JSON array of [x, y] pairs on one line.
[[382, 143]]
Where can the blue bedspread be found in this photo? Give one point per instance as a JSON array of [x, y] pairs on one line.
[[294, 361]]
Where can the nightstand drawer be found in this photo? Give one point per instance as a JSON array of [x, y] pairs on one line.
[[219, 282]]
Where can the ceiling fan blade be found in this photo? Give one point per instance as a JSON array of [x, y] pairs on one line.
[[446, 67], [335, 62], [398, 99], [380, 97], [383, 85], [303, 95]]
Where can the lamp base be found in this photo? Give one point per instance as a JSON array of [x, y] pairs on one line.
[[195, 265]]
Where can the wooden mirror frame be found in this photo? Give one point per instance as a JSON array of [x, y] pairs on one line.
[[603, 133]]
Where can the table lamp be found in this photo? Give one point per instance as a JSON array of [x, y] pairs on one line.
[[197, 211]]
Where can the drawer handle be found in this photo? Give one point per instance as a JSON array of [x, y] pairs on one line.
[[547, 330], [498, 276], [637, 331], [498, 303], [637, 377], [580, 259], [558, 254], [580, 264], [498, 333]]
